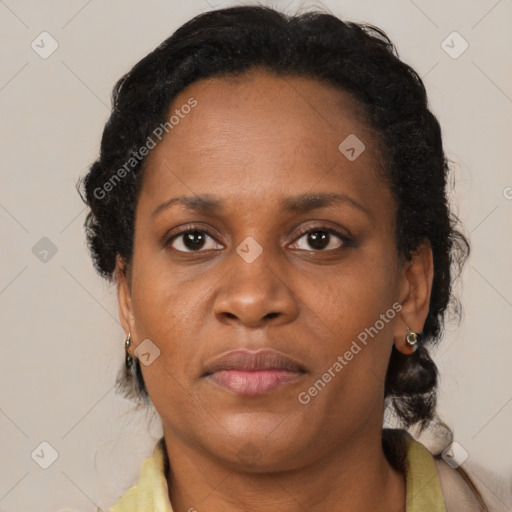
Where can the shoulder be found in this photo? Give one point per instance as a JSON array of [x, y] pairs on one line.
[[431, 480], [150, 492], [457, 492], [466, 489]]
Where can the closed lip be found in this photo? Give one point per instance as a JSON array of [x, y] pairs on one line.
[[247, 360]]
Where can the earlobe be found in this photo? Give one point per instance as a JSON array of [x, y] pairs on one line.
[[408, 341], [416, 286], [124, 296]]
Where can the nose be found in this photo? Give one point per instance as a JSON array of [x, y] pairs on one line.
[[255, 294]]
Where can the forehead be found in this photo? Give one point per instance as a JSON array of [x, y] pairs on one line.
[[262, 132]]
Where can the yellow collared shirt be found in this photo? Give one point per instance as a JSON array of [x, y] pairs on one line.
[[150, 494]]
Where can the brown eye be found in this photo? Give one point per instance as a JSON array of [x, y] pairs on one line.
[[192, 240], [321, 239]]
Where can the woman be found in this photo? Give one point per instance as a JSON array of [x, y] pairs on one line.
[[270, 201]]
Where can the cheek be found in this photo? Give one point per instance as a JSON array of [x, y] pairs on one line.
[[354, 296], [163, 295], [165, 310], [350, 381], [164, 305], [358, 309]]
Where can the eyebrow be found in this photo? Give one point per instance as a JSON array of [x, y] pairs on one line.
[[301, 203]]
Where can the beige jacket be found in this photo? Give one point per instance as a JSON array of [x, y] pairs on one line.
[[459, 497]]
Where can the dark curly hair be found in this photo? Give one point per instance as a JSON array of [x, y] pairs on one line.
[[357, 58]]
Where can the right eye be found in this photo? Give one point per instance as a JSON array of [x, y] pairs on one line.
[[192, 240]]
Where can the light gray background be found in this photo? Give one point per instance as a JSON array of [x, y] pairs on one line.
[[61, 342]]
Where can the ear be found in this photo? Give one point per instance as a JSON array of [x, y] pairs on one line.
[[124, 299], [415, 289]]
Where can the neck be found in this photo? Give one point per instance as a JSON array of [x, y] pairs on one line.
[[354, 476]]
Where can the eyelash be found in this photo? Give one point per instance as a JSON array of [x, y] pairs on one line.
[[341, 234]]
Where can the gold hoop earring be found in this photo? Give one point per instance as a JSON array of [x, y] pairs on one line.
[[412, 338], [129, 358]]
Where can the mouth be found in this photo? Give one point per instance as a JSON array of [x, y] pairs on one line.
[[253, 373]]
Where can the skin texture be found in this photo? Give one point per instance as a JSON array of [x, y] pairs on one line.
[[252, 141]]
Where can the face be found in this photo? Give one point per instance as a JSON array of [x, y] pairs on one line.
[[284, 242]]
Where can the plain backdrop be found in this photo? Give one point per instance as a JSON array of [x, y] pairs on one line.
[[61, 342]]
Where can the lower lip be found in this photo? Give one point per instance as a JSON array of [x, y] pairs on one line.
[[253, 383]]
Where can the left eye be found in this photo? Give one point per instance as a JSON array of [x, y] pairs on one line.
[[321, 239]]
